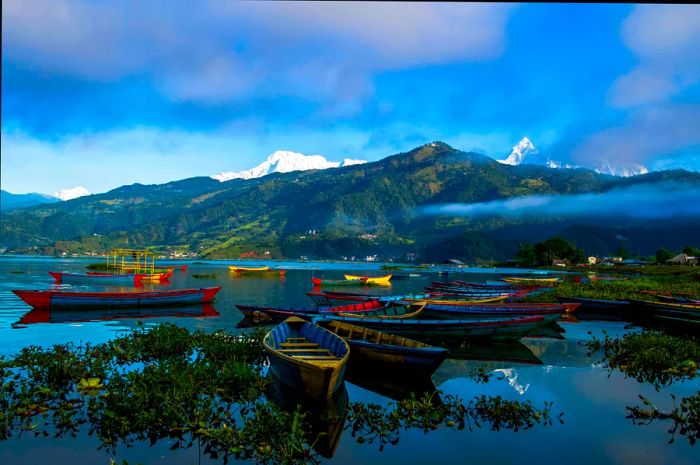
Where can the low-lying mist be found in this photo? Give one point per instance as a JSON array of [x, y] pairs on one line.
[[645, 201]]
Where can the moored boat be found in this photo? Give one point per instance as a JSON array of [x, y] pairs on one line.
[[378, 280], [439, 329], [257, 271], [377, 350], [329, 297], [70, 299], [488, 310], [306, 357], [105, 279], [339, 282], [280, 314], [529, 279], [458, 301]]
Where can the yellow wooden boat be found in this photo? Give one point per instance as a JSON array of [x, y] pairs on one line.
[[240, 269], [378, 280], [533, 279]]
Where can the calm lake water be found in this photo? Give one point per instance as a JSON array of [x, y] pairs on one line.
[[553, 367]]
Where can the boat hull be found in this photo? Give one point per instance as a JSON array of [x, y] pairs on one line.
[[496, 328], [65, 299], [318, 379], [103, 279]]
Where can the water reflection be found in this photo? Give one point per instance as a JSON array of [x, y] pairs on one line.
[[326, 421], [392, 385], [115, 314]]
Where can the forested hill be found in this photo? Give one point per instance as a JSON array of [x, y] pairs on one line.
[[350, 211]]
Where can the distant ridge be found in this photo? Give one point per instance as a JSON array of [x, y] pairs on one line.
[[9, 201]]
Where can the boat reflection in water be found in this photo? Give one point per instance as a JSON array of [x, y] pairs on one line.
[[103, 314], [326, 419], [391, 384]]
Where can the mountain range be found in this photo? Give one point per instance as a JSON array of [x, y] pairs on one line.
[[356, 210], [283, 161], [524, 152]]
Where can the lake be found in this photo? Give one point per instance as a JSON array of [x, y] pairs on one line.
[[554, 367]]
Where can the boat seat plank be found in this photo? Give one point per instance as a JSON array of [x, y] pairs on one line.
[[297, 339], [299, 344], [305, 350], [316, 357]]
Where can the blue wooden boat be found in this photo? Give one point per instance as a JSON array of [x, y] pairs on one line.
[[381, 351], [307, 358], [72, 299], [434, 329], [330, 297], [489, 310]]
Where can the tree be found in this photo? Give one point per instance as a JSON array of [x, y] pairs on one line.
[[526, 254], [557, 248], [691, 251], [621, 252], [663, 254]]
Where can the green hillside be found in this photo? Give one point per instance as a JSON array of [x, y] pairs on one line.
[[352, 211]]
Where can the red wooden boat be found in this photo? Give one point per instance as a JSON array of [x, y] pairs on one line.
[[70, 299]]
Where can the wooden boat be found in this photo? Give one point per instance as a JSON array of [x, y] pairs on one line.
[[378, 350], [488, 310], [256, 271], [339, 282], [670, 311], [280, 314], [678, 300], [328, 297], [103, 314], [102, 279], [248, 268], [533, 279], [372, 308], [391, 311], [378, 280], [306, 357], [458, 301], [158, 277], [596, 304], [496, 328], [71, 299]]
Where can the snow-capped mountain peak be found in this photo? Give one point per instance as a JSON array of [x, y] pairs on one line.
[[627, 170], [72, 193], [283, 161], [519, 152]]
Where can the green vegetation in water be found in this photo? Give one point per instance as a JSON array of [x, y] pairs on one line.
[[101, 266], [168, 384], [18, 272], [652, 357], [371, 423], [685, 416], [661, 280], [205, 276], [659, 359]]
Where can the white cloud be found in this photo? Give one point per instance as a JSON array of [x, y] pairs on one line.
[[220, 50], [666, 39], [650, 132]]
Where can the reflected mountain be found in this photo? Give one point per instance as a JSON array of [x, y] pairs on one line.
[[327, 421], [83, 315]]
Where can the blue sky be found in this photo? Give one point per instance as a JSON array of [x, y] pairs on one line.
[[102, 94]]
